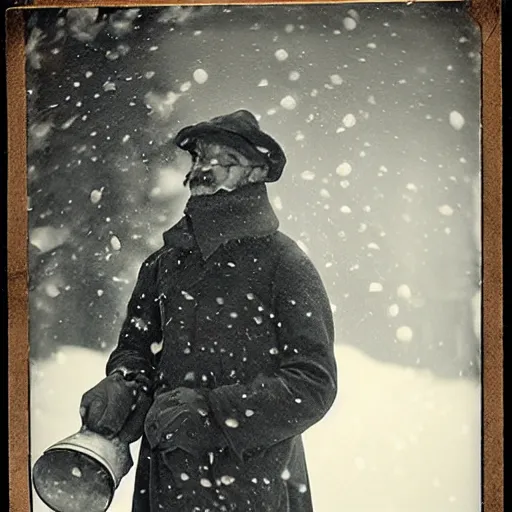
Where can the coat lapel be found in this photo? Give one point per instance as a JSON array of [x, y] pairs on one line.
[[184, 267]]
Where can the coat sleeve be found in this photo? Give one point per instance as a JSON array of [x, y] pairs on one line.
[[275, 407], [141, 326]]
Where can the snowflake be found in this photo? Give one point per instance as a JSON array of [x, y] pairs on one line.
[[349, 120], [231, 423], [349, 23], [288, 102], [281, 55], [404, 334], [200, 76], [344, 169], [457, 121]]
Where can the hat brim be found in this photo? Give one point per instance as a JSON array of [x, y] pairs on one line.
[[259, 147]]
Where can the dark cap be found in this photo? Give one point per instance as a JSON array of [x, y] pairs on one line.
[[241, 131]]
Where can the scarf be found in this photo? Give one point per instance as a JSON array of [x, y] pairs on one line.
[[218, 218]]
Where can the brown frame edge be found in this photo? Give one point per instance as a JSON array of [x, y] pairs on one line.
[[17, 268], [485, 12]]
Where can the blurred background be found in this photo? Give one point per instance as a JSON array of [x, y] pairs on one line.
[[378, 109]]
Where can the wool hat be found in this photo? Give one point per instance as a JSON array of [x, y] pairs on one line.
[[241, 131]]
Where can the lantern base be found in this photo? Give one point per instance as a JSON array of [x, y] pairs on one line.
[[69, 481]]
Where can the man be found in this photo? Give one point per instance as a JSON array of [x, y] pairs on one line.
[[229, 341]]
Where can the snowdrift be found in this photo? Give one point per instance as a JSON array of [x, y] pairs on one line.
[[396, 440]]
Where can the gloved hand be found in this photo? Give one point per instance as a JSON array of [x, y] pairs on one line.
[[117, 407], [181, 419]]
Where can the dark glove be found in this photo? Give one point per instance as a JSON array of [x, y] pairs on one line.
[[117, 407], [181, 419]]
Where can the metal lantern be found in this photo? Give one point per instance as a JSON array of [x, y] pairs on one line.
[[82, 472]]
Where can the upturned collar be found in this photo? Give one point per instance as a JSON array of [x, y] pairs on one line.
[[219, 218]]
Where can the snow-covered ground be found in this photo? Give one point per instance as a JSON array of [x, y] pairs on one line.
[[397, 439]]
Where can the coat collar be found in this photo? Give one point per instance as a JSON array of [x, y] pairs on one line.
[[211, 221]]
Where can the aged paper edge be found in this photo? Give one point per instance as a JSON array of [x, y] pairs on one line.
[[486, 13], [129, 3]]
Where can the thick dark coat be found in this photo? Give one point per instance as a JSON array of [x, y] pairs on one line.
[[245, 315]]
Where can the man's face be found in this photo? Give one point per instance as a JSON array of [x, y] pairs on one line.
[[216, 167]]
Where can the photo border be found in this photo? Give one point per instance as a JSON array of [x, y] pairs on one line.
[[486, 13]]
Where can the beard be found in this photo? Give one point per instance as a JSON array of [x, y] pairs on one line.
[[219, 178], [199, 178], [202, 183]]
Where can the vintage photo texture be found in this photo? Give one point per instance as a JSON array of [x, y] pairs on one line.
[[377, 108]]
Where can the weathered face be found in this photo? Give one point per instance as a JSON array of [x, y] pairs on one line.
[[216, 167]]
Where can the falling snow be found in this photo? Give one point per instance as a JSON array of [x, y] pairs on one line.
[[344, 169], [393, 310], [349, 23], [457, 121], [349, 121], [115, 243], [336, 79], [278, 204], [96, 196], [281, 55], [76, 472], [184, 87], [227, 480], [404, 334], [288, 103], [404, 292], [109, 86], [205, 482], [307, 98], [200, 76], [446, 210], [307, 175]]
